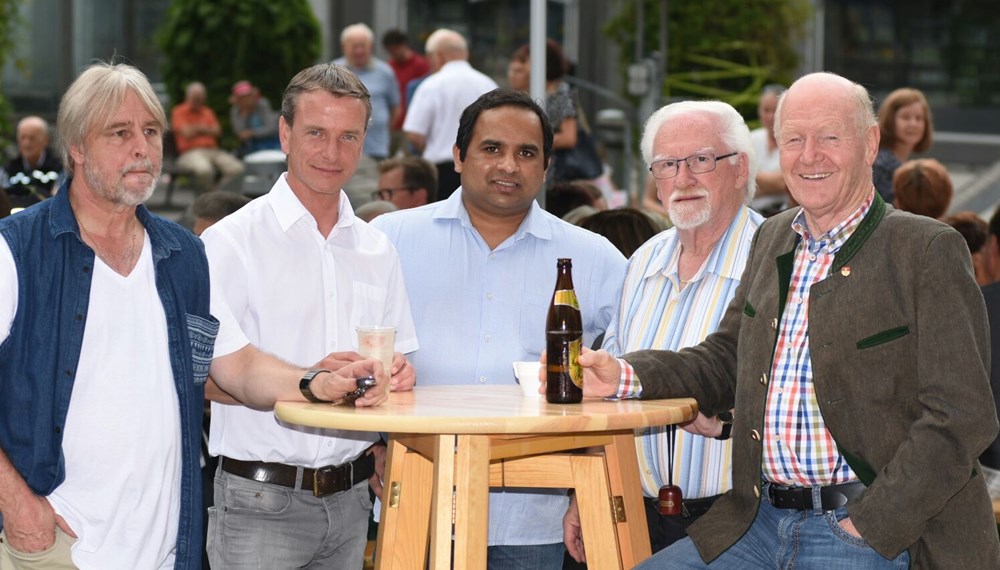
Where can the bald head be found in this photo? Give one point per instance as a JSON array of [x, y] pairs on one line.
[[446, 45], [195, 94], [356, 42], [826, 85], [32, 138]]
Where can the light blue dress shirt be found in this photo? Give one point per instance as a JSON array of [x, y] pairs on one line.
[[476, 311], [380, 80]]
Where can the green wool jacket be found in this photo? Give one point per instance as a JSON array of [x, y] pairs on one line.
[[900, 354]]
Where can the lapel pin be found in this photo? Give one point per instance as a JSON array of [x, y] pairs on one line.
[[845, 271]]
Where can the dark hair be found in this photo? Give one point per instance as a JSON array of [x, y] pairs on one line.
[[995, 223], [565, 196], [625, 228], [417, 173], [394, 37], [974, 229], [217, 205], [887, 117], [334, 79], [501, 97], [556, 64], [922, 187]]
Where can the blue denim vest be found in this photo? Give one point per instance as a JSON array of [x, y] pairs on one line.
[[38, 360]]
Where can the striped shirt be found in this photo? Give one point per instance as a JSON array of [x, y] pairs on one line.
[[798, 448], [658, 311]]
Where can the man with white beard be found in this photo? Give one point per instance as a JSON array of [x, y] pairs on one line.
[[678, 287]]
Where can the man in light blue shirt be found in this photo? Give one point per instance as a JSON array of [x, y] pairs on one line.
[[480, 268]]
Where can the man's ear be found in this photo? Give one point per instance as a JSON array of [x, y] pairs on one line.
[[457, 156]]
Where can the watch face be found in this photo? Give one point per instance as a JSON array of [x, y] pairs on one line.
[[725, 417]]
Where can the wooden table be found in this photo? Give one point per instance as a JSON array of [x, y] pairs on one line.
[[449, 444]]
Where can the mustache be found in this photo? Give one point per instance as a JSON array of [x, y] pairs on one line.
[[683, 195], [144, 165]]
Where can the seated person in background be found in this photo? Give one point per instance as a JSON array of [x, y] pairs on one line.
[[990, 281], [374, 209], [922, 187], [197, 131], [36, 172], [564, 197], [772, 194], [625, 228], [975, 230], [212, 207], [906, 127], [254, 121], [406, 182]]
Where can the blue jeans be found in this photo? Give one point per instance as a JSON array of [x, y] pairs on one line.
[[258, 525], [528, 557], [786, 539]]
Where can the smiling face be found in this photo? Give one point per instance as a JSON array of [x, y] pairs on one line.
[[324, 144], [705, 199], [909, 125], [826, 159], [121, 161], [503, 168]]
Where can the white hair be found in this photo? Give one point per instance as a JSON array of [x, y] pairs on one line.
[[733, 131], [356, 28]]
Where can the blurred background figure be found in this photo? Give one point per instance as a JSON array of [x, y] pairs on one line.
[[356, 42], [374, 209], [209, 208], [407, 65], [975, 231], [406, 182], [772, 194], [625, 228], [253, 119], [4, 204], [904, 119], [990, 257], [563, 197], [36, 172], [196, 130], [922, 187]]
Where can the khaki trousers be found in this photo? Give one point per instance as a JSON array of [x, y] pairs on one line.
[[55, 557]]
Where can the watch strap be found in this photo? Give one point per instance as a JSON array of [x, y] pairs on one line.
[[306, 380]]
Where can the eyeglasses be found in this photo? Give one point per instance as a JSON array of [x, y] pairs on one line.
[[386, 193], [698, 163]]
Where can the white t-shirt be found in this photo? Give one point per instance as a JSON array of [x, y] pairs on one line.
[[767, 160], [438, 103], [122, 438], [299, 296]]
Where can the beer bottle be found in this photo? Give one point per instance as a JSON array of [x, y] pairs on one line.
[[563, 339]]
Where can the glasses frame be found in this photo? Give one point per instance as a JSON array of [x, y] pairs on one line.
[[677, 167]]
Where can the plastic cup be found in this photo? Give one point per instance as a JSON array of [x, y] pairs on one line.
[[527, 376], [377, 343]]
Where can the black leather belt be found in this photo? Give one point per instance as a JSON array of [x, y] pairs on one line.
[[801, 498], [323, 481]]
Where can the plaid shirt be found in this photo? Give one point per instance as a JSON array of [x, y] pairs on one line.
[[798, 449]]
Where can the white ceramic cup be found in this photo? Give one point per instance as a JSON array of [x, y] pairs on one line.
[[527, 376], [377, 343]]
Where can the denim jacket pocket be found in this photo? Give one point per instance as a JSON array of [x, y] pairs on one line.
[[883, 337], [202, 332]]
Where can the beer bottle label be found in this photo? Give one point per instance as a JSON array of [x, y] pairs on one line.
[[566, 297], [575, 371]]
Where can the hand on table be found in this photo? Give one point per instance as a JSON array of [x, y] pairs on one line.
[[334, 385], [31, 524], [403, 375], [337, 360], [601, 373], [573, 533]]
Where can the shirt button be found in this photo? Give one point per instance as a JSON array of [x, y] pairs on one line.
[[755, 435], [482, 379], [489, 296], [487, 338], [798, 300], [756, 491], [812, 258], [763, 379]]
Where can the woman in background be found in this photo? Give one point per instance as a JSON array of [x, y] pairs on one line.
[[904, 119]]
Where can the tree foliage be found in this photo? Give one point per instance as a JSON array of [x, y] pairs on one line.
[[224, 41], [10, 21], [719, 49]]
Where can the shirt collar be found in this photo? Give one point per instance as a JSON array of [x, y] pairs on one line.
[[839, 234], [718, 262], [537, 223], [289, 210]]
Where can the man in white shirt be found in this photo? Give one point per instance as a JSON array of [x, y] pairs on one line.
[[432, 115], [299, 273], [107, 335]]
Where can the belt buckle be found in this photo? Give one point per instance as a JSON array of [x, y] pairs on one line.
[[329, 480]]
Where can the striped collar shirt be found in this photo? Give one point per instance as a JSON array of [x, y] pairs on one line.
[[798, 448], [658, 311]]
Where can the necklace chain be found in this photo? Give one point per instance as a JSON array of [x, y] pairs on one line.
[[126, 259]]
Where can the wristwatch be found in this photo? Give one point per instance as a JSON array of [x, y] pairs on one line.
[[304, 385], [727, 425]]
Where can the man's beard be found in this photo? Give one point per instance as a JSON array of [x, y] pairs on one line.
[[117, 193], [686, 215]]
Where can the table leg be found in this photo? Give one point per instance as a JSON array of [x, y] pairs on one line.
[[623, 476], [442, 502], [590, 479], [402, 533], [472, 501]]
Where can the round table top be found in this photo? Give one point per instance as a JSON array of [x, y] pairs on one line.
[[487, 410]]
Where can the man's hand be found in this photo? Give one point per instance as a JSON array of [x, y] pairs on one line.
[[337, 360], [403, 374], [849, 528], [601, 373], [333, 386], [573, 533], [375, 481], [704, 426], [31, 524]]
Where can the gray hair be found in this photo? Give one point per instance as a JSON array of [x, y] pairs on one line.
[[355, 28], [733, 131], [94, 97], [334, 79]]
